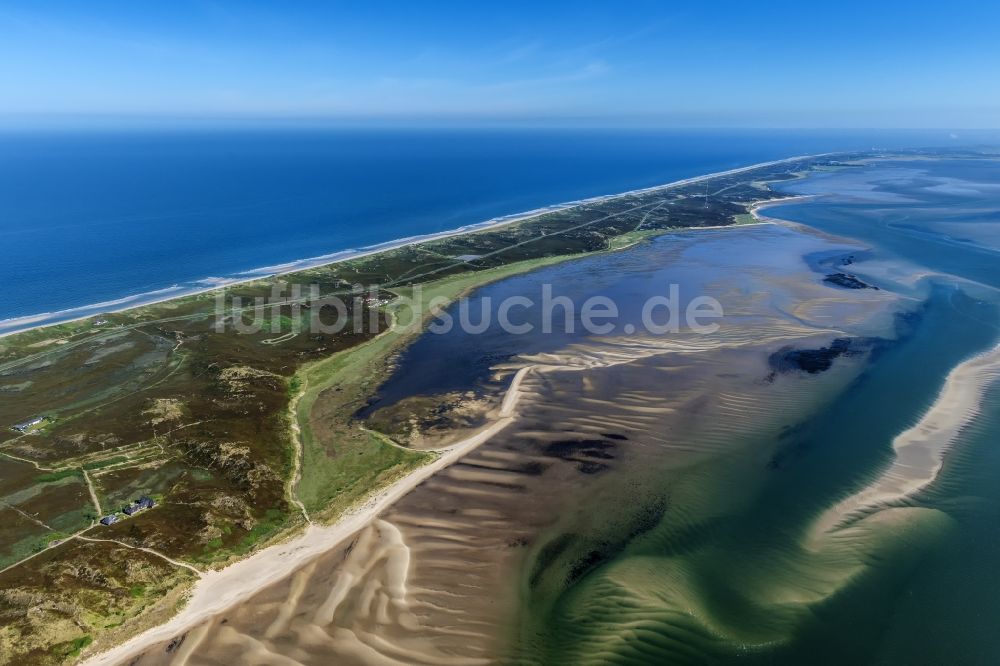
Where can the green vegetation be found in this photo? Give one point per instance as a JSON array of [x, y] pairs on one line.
[[281, 324], [336, 476], [58, 475], [216, 549], [29, 546], [94, 586], [631, 238], [341, 462], [72, 648], [37, 427]]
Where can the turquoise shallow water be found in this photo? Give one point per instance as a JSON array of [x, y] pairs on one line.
[[943, 215], [915, 582]]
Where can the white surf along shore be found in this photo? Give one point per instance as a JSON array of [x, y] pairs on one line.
[[13, 325], [919, 456]]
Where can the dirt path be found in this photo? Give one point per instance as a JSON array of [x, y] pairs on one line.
[[26, 516], [291, 490], [93, 493], [176, 563]]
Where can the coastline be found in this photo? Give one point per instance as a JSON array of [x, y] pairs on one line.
[[43, 320], [755, 210], [219, 589], [222, 588], [920, 450]]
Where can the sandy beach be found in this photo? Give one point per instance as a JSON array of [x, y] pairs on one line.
[[372, 335], [217, 590], [756, 209]]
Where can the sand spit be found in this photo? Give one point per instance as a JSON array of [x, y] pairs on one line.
[[921, 449], [423, 581], [218, 591], [757, 208]]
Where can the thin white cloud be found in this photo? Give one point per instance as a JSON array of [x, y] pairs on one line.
[[520, 52], [587, 72]]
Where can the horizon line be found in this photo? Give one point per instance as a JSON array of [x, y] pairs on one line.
[[137, 121]]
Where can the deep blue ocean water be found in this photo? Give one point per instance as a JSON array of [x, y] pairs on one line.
[[116, 218]]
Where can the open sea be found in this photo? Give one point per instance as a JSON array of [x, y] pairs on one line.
[[95, 221]]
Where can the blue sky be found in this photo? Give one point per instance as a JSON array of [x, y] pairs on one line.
[[745, 64]]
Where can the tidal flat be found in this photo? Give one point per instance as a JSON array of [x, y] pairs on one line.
[[749, 495], [618, 440]]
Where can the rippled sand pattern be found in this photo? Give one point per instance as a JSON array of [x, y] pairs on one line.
[[434, 581], [611, 443]]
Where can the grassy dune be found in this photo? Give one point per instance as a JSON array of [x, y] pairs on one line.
[[341, 462]]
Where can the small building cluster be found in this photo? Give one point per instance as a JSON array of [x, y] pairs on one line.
[[135, 507], [28, 425], [140, 504]]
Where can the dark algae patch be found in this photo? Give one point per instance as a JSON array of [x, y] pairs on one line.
[[814, 361], [847, 281], [586, 453], [578, 554]]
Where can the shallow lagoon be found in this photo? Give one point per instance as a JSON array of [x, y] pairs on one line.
[[726, 264]]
